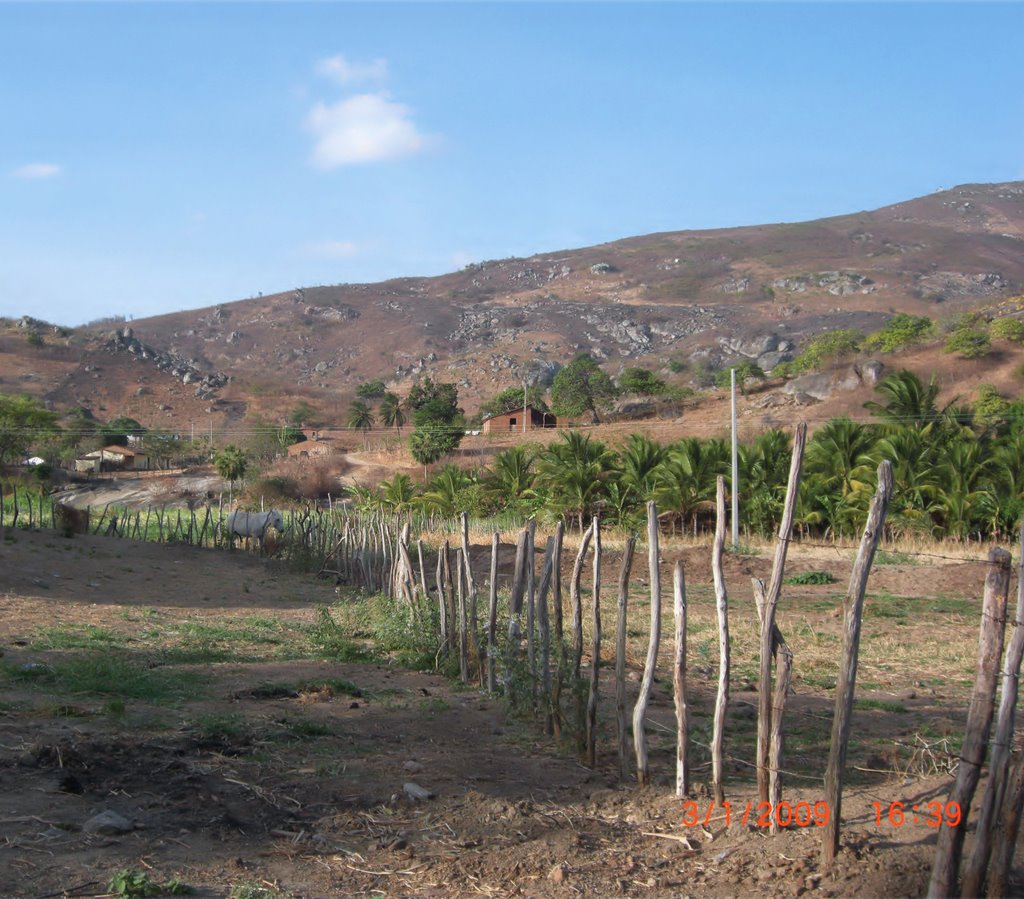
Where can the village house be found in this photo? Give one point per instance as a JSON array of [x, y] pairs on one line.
[[318, 443], [113, 458], [513, 421]]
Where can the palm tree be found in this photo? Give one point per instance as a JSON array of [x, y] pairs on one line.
[[911, 402], [575, 471], [640, 459], [391, 413], [398, 494], [360, 418], [841, 452], [510, 479], [445, 490], [686, 481]]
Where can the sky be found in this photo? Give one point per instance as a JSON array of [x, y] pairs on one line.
[[164, 156]]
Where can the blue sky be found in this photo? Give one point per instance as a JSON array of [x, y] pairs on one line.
[[156, 157]]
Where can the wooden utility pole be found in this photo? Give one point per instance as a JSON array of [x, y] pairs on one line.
[[640, 709]]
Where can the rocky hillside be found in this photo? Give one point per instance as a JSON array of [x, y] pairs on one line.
[[753, 293]]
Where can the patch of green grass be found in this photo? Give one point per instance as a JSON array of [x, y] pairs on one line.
[[884, 557], [881, 705], [434, 706], [87, 637], [306, 729], [810, 577], [222, 727], [254, 891], [105, 675]]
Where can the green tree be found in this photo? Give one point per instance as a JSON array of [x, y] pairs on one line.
[[231, 463], [23, 422], [371, 390], [640, 382], [117, 431], [304, 414], [360, 417], [574, 471], [438, 421], [581, 387], [511, 399], [686, 481], [398, 494], [391, 413], [510, 481], [744, 371]]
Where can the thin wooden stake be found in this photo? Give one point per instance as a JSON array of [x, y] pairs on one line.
[[463, 632], [999, 765], [979, 723], [722, 607], [492, 616], [679, 680], [620, 656], [556, 693], [544, 633], [595, 663], [640, 709], [853, 613], [764, 697], [577, 604]]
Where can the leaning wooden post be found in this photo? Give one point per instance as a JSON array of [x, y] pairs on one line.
[[531, 606], [556, 604], [620, 656], [492, 616], [640, 709], [853, 611], [595, 662], [544, 633], [999, 765], [679, 680], [1007, 826], [979, 723], [441, 606], [471, 588], [764, 697], [722, 606], [577, 604]]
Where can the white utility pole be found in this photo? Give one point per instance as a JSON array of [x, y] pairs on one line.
[[524, 406], [735, 468]]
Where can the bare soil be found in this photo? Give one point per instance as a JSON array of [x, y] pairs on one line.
[[255, 782]]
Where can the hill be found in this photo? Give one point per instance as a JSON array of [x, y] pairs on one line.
[[710, 297]]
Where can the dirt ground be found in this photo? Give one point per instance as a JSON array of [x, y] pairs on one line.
[[278, 774]]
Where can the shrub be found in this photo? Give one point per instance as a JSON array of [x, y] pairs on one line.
[[968, 343], [899, 332], [744, 371], [640, 382], [820, 350], [1007, 329]]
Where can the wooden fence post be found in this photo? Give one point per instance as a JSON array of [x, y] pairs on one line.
[[764, 696], [577, 603], [544, 633], [492, 616], [722, 607], [531, 606], [1007, 826], [463, 634], [979, 723], [679, 680], [640, 709], [853, 613], [556, 603], [620, 656], [1002, 745], [595, 663]]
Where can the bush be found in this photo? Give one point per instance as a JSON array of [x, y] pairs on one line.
[[1007, 329], [899, 332], [968, 343], [744, 371], [640, 382], [824, 348]]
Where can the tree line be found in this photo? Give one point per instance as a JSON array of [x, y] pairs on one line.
[[958, 472]]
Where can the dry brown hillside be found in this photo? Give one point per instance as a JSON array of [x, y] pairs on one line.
[[721, 295]]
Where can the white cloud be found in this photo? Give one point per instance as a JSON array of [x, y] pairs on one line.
[[339, 69], [333, 249], [363, 128], [35, 171]]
